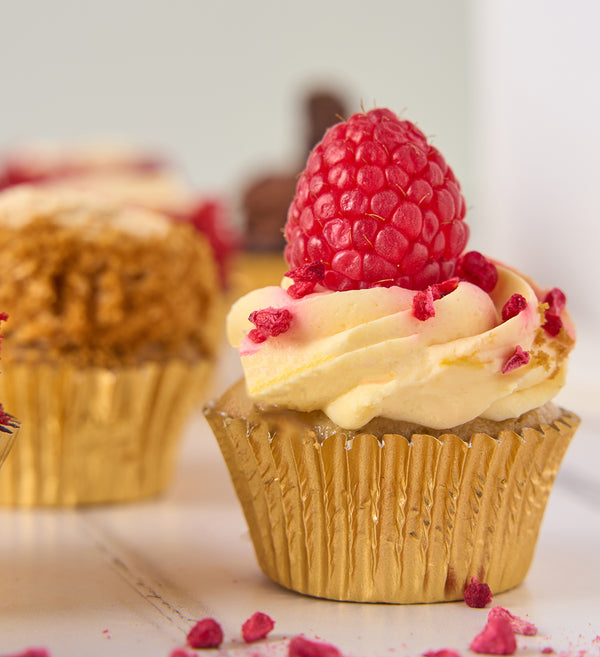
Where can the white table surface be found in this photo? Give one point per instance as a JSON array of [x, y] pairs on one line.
[[132, 579]]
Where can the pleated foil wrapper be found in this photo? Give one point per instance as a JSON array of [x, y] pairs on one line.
[[95, 435], [392, 519], [8, 435]]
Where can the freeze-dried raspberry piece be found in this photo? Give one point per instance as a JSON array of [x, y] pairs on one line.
[[518, 358], [181, 652], [423, 307], [300, 646], [513, 307], [496, 638], [477, 594], [206, 633], [519, 625], [475, 268], [548, 650], [552, 325], [556, 301], [444, 652], [31, 652], [269, 322], [443, 289], [305, 279], [257, 627]]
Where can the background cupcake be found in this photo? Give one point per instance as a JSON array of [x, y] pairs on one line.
[[128, 175], [115, 319], [395, 434]]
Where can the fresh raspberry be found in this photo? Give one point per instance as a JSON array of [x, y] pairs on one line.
[[206, 633], [378, 206], [475, 268]]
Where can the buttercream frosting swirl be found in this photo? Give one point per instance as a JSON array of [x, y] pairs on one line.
[[361, 354]]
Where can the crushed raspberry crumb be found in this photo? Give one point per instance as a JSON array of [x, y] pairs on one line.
[[496, 638], [305, 279], [548, 650], [552, 325], [257, 627], [443, 289], [513, 307], [444, 652], [269, 322], [31, 652], [477, 594], [423, 307], [556, 301], [519, 625], [299, 646], [181, 652], [206, 633], [518, 358], [475, 268], [5, 418]]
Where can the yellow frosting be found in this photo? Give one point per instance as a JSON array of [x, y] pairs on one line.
[[361, 354]]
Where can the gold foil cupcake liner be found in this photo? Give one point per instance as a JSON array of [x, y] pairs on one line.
[[8, 435], [391, 520], [95, 435]]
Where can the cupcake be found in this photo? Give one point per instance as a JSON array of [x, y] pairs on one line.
[[394, 434], [115, 320], [128, 175]]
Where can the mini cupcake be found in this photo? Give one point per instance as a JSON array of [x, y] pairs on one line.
[[395, 433], [113, 331]]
